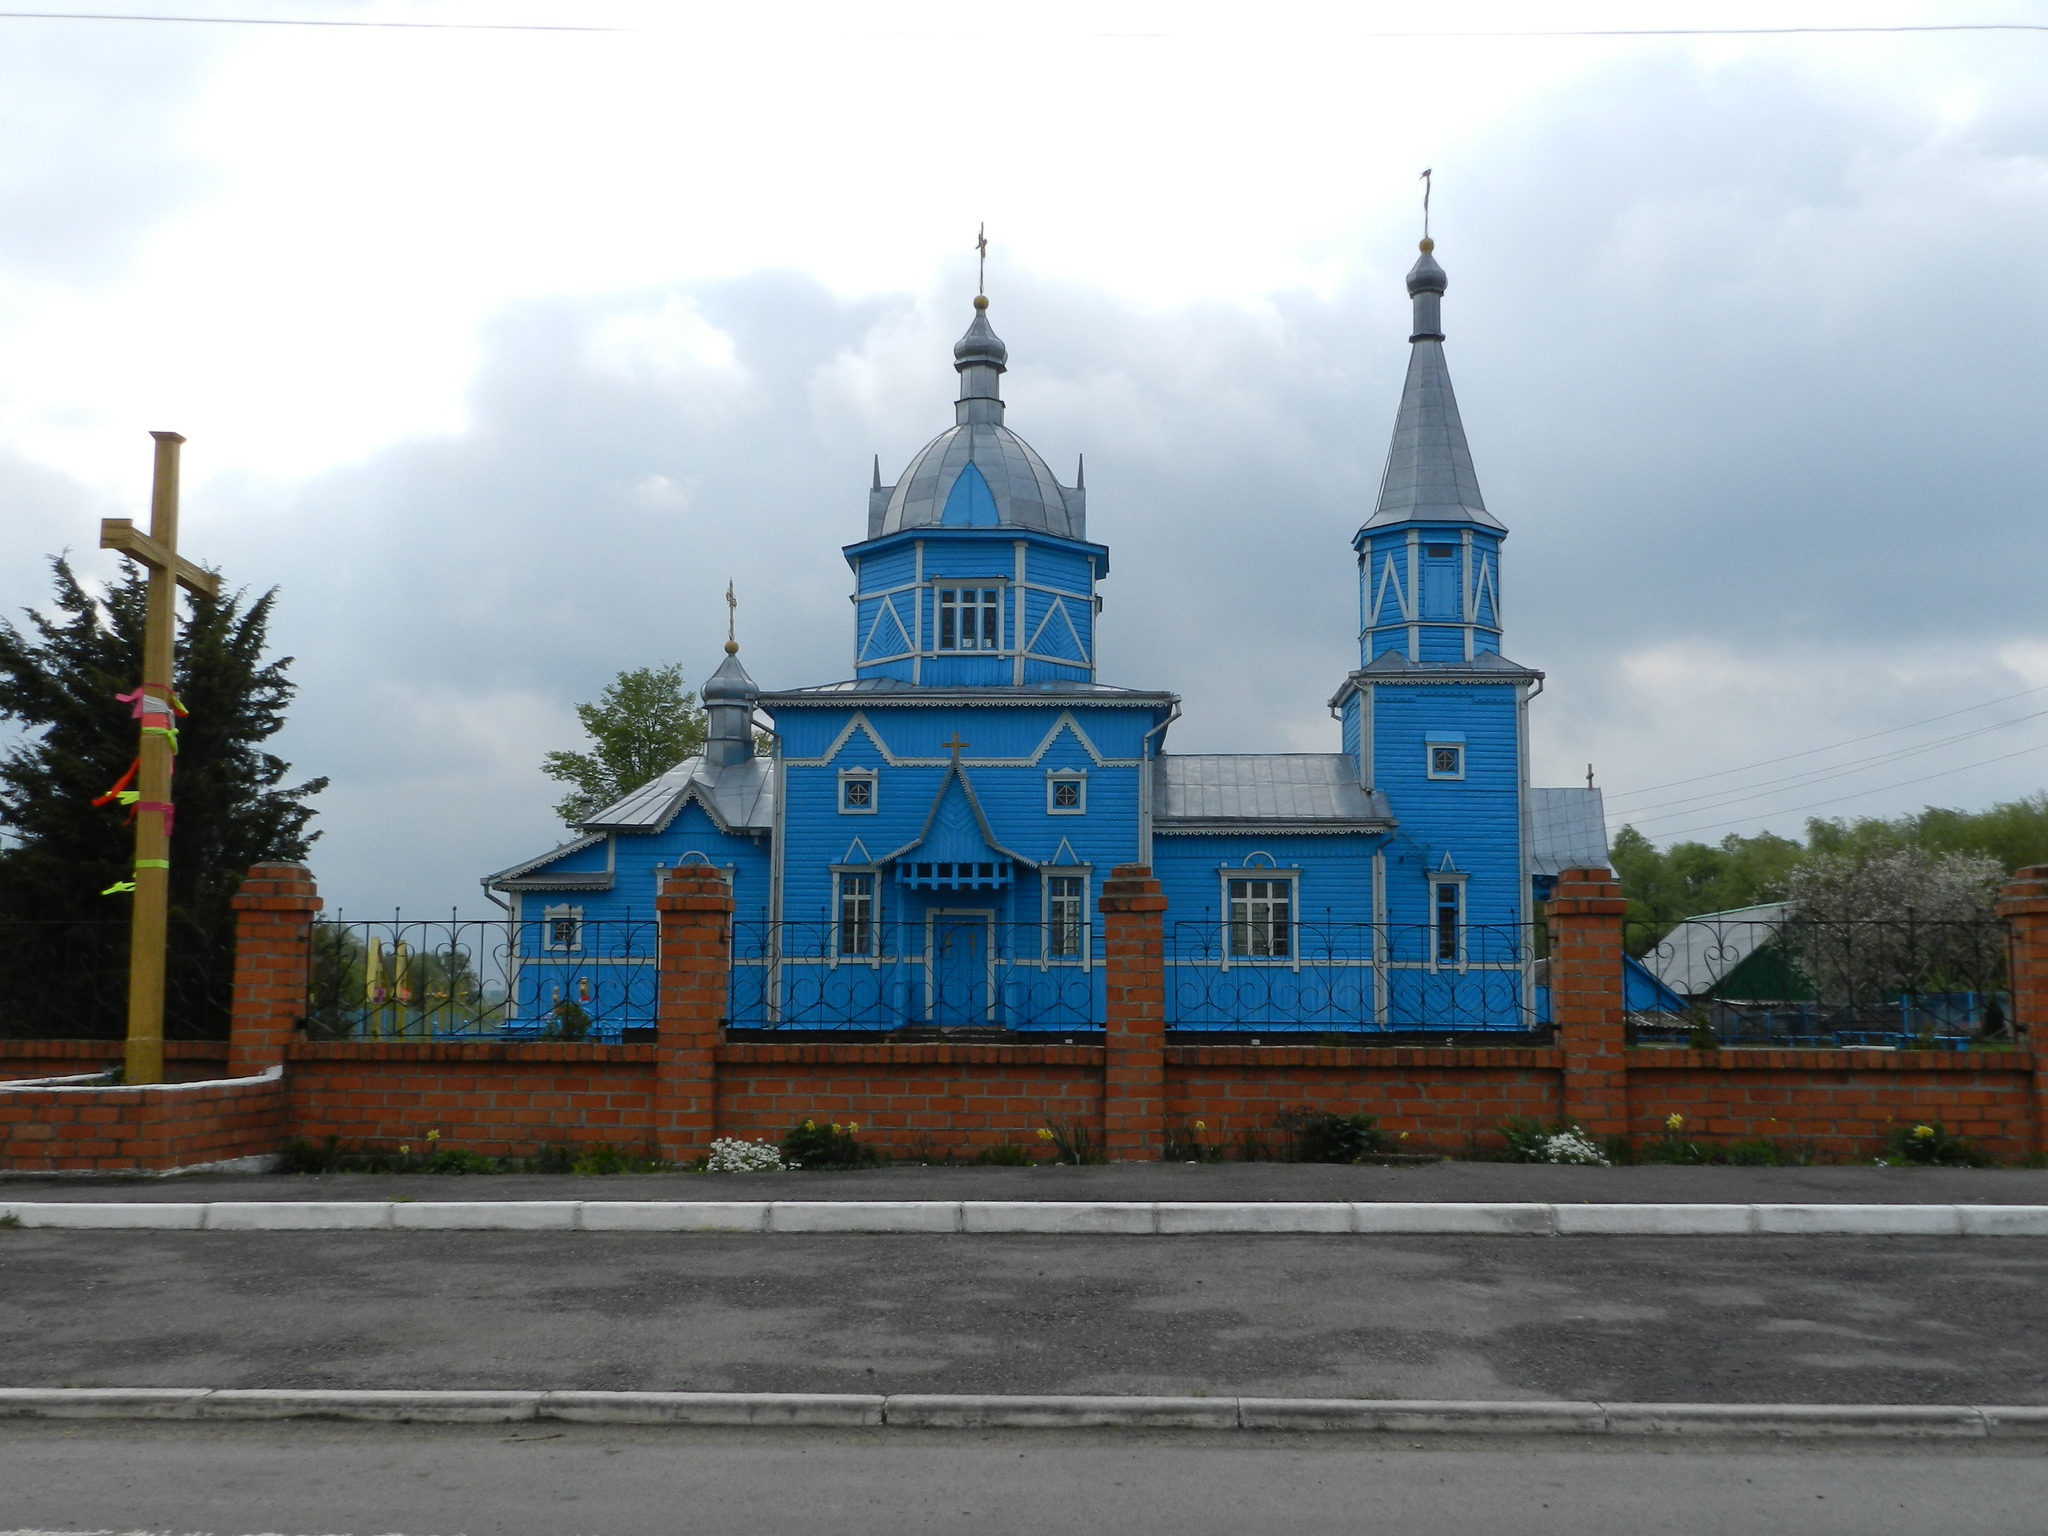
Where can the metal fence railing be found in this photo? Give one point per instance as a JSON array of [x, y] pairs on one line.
[[945, 971], [460, 978], [1350, 978], [1803, 981]]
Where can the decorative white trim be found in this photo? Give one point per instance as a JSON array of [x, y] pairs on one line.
[[549, 916], [1291, 877], [1085, 873], [865, 776], [860, 722], [1436, 744], [1054, 778]]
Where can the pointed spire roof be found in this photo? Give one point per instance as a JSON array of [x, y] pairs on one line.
[[1429, 475]]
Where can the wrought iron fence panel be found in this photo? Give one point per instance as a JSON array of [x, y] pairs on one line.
[[947, 971], [1340, 978], [460, 978], [64, 979], [1797, 981]]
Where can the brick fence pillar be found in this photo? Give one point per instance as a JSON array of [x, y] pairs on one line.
[[1134, 1067], [1586, 911], [696, 970], [273, 962], [2024, 906]]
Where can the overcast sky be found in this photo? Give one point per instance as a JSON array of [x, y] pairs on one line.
[[499, 353]]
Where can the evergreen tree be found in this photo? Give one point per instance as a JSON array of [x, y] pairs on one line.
[[63, 944], [643, 724]]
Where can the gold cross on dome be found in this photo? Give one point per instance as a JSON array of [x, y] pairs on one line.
[[956, 746]]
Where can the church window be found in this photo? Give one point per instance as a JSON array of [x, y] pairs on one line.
[[1446, 760], [1066, 910], [1447, 902], [856, 914], [1261, 919], [562, 929], [1441, 551], [970, 619], [857, 792], [1066, 793]]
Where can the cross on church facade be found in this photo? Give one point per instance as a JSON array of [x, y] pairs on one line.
[[956, 746], [157, 552]]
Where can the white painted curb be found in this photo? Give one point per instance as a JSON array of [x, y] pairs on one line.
[[973, 1411], [1044, 1217]]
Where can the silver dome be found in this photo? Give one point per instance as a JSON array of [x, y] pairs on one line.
[[1021, 491], [978, 473]]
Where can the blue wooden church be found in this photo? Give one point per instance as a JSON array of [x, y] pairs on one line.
[[923, 848]]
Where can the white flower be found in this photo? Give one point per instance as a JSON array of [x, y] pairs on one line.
[[1572, 1147], [731, 1155]]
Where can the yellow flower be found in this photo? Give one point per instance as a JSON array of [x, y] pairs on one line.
[[1044, 1134], [835, 1127], [433, 1135], [404, 1149], [853, 1127], [1923, 1132], [1201, 1126], [1674, 1121], [1404, 1136], [810, 1125]]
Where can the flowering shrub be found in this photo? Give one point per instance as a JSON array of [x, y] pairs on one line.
[[731, 1155], [1930, 1146], [812, 1145], [1531, 1141]]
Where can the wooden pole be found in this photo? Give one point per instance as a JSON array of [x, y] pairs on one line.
[[150, 929]]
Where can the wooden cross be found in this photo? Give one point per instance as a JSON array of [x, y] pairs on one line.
[[156, 551], [956, 746]]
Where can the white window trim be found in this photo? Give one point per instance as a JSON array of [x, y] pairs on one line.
[[1230, 872], [872, 955], [1076, 776], [873, 779], [1437, 881], [1048, 873], [1429, 751], [1006, 621], [549, 916]]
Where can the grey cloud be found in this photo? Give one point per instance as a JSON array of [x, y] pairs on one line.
[[1729, 371]]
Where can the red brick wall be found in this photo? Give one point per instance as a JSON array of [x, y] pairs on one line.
[[495, 1099], [1445, 1100], [959, 1098], [1844, 1103], [45, 1130], [185, 1061]]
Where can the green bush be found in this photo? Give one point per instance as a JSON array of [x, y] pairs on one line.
[[1003, 1157], [1074, 1142], [1320, 1136], [1928, 1144], [1184, 1144], [1533, 1141], [570, 1023], [427, 1156], [816, 1146]]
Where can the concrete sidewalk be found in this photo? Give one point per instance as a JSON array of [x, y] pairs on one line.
[[1448, 1182]]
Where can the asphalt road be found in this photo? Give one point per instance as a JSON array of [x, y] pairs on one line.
[[1754, 1319], [1120, 1181], [305, 1478]]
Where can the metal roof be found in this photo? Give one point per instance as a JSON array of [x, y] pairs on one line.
[[1429, 475], [1567, 830], [1306, 791], [1693, 957], [740, 797]]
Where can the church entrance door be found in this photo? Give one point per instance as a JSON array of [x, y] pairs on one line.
[[961, 982]]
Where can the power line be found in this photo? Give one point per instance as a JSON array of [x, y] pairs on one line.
[[1858, 794], [307, 21], [1807, 777], [1377, 36], [1769, 762]]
